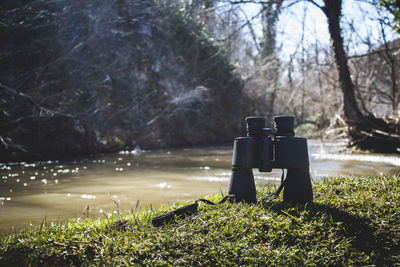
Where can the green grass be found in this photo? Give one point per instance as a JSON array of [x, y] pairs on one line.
[[353, 221]]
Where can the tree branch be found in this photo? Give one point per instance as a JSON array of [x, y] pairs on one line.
[[374, 52], [316, 4], [241, 27]]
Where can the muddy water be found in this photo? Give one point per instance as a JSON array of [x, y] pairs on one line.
[[57, 191]]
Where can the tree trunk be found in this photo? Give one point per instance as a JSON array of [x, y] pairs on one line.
[[365, 132], [270, 17], [332, 10]]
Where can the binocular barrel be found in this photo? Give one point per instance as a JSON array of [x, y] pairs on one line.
[[265, 149], [282, 153]]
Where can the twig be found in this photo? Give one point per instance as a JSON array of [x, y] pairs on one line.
[[85, 212], [61, 244], [241, 27]]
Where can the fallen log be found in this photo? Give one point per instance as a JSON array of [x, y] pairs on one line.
[[378, 135]]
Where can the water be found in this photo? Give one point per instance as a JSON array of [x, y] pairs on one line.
[[57, 191]]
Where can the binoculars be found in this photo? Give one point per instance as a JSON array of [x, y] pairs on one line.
[[265, 149]]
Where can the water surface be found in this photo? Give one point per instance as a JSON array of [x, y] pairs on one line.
[[31, 192]]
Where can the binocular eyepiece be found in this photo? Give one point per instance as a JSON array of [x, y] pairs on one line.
[[265, 149], [284, 126]]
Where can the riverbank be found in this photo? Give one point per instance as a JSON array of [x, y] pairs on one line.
[[157, 87], [353, 221]]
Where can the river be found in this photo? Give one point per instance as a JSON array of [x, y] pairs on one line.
[[57, 191]]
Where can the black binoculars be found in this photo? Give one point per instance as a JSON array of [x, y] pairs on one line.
[[265, 149]]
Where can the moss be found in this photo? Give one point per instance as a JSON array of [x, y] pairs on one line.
[[353, 221]]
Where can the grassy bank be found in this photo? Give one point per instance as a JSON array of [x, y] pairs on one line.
[[353, 221]]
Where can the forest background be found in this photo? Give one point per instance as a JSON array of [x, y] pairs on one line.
[[87, 77]]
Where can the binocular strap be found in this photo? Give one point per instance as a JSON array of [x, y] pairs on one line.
[[185, 211], [272, 196], [190, 209]]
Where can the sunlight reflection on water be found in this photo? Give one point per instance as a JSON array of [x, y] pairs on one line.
[[57, 190], [362, 158]]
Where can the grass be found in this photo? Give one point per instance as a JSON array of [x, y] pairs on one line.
[[353, 221]]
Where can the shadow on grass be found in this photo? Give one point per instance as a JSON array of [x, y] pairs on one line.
[[369, 237]]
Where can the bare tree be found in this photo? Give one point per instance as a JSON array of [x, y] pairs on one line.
[[270, 17]]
